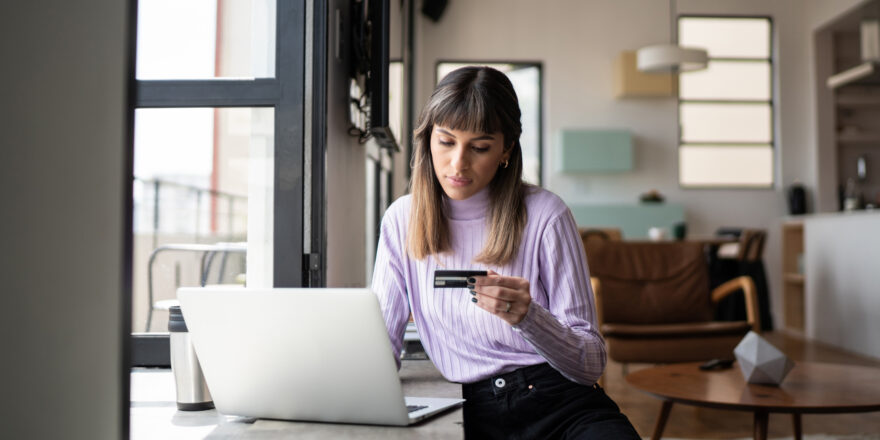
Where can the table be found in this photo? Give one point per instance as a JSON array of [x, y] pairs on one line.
[[712, 240], [707, 240], [154, 413], [811, 387]]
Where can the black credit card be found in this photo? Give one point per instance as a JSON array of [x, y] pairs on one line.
[[455, 278]]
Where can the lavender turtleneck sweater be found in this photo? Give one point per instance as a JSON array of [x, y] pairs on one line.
[[467, 343]]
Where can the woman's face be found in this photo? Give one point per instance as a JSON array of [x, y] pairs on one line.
[[465, 161]]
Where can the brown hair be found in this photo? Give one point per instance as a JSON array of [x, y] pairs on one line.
[[481, 100]]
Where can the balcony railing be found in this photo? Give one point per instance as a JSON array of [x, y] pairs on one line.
[[165, 206]]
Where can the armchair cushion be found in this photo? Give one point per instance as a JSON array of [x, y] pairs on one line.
[[666, 350], [682, 330]]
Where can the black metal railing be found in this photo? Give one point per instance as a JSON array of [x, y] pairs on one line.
[[191, 221]]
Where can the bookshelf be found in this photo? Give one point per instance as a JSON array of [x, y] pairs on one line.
[[848, 110], [792, 275]]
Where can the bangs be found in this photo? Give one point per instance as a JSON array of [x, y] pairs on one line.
[[467, 110]]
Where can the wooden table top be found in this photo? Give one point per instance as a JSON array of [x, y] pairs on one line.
[[810, 387]]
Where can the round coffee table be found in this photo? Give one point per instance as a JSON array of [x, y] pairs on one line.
[[810, 387]]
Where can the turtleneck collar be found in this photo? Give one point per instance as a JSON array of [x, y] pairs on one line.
[[473, 208]]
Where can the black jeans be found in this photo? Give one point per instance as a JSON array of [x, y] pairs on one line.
[[537, 402]]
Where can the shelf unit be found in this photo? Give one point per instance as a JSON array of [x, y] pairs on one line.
[[792, 275], [793, 278], [858, 101], [849, 111], [843, 138]]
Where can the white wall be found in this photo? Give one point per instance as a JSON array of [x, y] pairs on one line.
[[347, 241], [577, 42], [63, 115], [345, 171], [819, 12]]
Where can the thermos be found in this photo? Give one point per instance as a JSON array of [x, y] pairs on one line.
[[192, 390]]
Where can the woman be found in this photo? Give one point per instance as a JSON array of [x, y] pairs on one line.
[[523, 343]]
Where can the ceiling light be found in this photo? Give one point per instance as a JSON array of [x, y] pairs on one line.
[[671, 58]]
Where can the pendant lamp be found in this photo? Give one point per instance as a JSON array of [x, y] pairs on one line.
[[671, 58]]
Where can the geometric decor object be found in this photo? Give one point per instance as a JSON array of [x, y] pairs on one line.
[[585, 150], [761, 362]]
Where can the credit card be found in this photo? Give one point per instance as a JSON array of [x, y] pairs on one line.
[[455, 278]]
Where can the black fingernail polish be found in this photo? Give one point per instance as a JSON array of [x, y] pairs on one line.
[[472, 280], [473, 300], [471, 286], [473, 293]]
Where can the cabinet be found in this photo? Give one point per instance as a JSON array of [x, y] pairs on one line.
[[793, 275], [858, 136], [629, 82], [849, 109]]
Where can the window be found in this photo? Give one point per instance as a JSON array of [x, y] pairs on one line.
[[726, 135], [220, 166], [199, 39], [526, 79], [198, 176]]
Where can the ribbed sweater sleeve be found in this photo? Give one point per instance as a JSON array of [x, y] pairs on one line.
[[565, 334], [389, 280]]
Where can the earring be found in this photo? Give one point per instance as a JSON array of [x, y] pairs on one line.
[[506, 163]]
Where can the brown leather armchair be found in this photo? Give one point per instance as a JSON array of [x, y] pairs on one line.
[[654, 305]]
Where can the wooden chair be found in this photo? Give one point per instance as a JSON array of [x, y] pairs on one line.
[[749, 246], [654, 304], [743, 258]]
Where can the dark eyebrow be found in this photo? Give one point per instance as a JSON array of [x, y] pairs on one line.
[[478, 138]]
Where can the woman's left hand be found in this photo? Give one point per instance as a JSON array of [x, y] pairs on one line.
[[505, 297]]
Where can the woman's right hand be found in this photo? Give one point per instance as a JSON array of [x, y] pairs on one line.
[[508, 298]]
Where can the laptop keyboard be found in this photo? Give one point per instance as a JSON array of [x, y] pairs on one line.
[[413, 408]]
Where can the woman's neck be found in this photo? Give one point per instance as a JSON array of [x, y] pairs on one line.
[[472, 208]]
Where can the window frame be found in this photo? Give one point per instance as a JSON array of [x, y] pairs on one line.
[[379, 163], [298, 97], [771, 102]]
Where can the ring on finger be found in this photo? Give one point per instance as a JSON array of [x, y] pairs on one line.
[[507, 310]]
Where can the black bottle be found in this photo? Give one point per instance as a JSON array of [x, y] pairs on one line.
[[797, 199]]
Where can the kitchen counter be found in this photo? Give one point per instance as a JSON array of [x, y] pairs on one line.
[[842, 280], [154, 413], [832, 215]]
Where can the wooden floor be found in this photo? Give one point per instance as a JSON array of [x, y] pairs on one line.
[[705, 423]]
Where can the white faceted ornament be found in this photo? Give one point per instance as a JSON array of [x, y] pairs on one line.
[[761, 362]]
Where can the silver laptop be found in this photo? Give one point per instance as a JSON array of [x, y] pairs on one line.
[[300, 354]]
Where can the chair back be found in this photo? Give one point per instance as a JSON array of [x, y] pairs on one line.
[[751, 245], [600, 234], [651, 283]]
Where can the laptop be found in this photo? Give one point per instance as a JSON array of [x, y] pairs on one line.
[[317, 354]]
